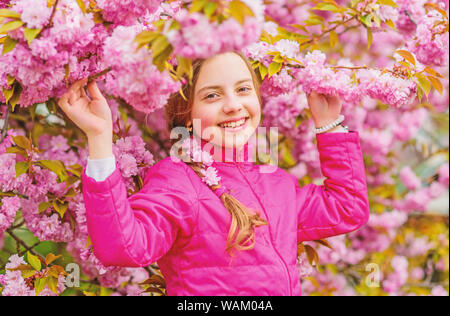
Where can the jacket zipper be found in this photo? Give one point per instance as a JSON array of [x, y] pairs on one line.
[[270, 233]]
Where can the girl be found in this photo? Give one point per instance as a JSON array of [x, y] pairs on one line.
[[190, 221]]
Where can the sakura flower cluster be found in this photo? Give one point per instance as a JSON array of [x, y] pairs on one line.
[[70, 45], [191, 148], [134, 77], [127, 12], [15, 285], [199, 38]]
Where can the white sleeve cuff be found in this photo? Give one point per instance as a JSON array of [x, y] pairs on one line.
[[100, 169]]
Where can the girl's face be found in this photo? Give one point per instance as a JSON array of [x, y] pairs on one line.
[[225, 92]]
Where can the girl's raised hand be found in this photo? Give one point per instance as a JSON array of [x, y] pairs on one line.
[[90, 113], [324, 109]]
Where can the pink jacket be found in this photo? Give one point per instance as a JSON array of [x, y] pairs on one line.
[[177, 221]]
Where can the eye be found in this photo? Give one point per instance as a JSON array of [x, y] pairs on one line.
[[210, 96], [244, 89]]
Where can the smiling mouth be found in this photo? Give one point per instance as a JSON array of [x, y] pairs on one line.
[[234, 125]]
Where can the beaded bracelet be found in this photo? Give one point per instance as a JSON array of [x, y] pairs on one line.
[[330, 126]]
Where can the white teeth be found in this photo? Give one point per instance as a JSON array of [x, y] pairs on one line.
[[234, 124]]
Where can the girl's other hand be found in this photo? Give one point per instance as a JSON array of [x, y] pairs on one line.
[[324, 109], [90, 113]]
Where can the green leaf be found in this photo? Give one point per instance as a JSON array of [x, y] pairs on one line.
[[6, 13], [369, 37], [34, 261], [263, 71], [8, 45], [433, 72], [424, 84], [17, 150], [82, 5], [328, 7], [52, 284], [21, 168], [22, 142], [159, 45], [56, 166], [39, 285], [388, 2], [185, 67], [160, 60], [76, 169], [16, 96], [197, 5], [366, 20], [210, 8], [30, 34], [419, 93], [312, 255], [315, 20], [436, 84], [407, 55], [27, 273], [51, 257], [11, 79], [324, 242], [334, 39], [391, 24], [8, 93], [274, 68], [43, 206], [60, 208], [145, 37], [376, 19], [88, 242], [71, 193], [10, 26], [239, 10]]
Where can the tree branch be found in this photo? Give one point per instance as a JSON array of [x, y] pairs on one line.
[[5, 124]]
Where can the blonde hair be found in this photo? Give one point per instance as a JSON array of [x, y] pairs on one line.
[[241, 235]]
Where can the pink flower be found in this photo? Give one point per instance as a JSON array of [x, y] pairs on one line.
[[439, 291], [36, 15], [443, 173], [409, 178], [210, 176], [303, 266], [287, 48], [8, 209]]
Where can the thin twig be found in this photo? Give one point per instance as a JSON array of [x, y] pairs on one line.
[[351, 68], [99, 74], [330, 30], [410, 17], [23, 243], [5, 124], [50, 21]]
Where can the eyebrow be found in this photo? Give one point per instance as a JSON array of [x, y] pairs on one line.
[[220, 87]]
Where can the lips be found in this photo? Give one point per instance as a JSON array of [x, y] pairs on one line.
[[236, 129], [233, 120]]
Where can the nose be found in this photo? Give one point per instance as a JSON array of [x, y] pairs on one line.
[[233, 104]]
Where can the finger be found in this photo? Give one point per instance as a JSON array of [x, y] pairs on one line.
[[73, 97], [63, 103], [84, 94], [94, 91], [315, 96], [77, 86]]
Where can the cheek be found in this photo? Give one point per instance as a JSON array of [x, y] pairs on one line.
[[208, 117], [255, 111]]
